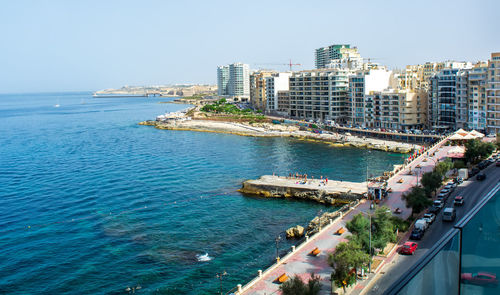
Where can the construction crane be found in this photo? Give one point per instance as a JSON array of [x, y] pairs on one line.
[[290, 64]]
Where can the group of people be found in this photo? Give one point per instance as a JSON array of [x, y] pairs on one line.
[[303, 178]]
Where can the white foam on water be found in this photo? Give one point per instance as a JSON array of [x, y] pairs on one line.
[[203, 258]]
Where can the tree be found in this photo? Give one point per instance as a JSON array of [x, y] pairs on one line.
[[443, 167], [416, 200], [475, 150], [348, 257], [359, 226], [383, 228], [431, 181], [296, 286]]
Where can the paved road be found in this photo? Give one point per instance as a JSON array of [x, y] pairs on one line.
[[472, 190]]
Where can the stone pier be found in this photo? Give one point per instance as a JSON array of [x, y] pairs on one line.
[[334, 192]]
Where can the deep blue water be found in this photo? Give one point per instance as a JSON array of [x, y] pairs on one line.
[[92, 203]]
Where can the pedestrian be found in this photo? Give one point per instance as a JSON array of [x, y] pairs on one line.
[[326, 180]]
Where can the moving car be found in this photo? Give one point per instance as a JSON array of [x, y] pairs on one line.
[[480, 278], [408, 248], [449, 214], [416, 234], [481, 176], [459, 201], [430, 217]]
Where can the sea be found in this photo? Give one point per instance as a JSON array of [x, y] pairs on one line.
[[93, 203]]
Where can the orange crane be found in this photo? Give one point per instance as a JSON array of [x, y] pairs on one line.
[[290, 64]]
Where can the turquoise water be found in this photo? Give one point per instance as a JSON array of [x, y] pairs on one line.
[[92, 203]]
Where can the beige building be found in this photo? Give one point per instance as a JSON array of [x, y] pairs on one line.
[[258, 89], [493, 94], [396, 109], [283, 97]]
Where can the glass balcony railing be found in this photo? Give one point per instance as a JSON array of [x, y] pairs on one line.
[[466, 260]]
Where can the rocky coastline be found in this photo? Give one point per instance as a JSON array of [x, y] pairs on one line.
[[276, 130]]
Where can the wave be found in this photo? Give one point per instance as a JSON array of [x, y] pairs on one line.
[[204, 257]]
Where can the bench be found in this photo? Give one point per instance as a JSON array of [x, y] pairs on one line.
[[400, 180], [282, 278], [315, 252], [340, 231]]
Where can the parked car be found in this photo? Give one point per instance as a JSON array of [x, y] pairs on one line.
[[408, 248], [474, 171], [416, 234], [438, 204], [445, 190], [481, 176], [434, 209], [459, 201], [480, 278], [482, 165], [430, 217], [422, 224], [497, 163]]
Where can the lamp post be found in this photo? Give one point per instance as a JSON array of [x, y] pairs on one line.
[[219, 276], [418, 172], [278, 238]]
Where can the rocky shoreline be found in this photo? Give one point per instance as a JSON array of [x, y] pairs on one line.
[[276, 130]]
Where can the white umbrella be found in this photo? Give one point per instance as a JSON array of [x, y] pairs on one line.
[[476, 133], [468, 136], [456, 136]]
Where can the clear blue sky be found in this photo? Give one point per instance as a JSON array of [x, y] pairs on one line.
[[90, 45]]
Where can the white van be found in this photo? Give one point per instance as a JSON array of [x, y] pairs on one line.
[[421, 224], [449, 214]]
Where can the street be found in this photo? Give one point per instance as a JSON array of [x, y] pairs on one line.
[[472, 190]]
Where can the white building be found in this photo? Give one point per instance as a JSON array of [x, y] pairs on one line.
[[275, 83]]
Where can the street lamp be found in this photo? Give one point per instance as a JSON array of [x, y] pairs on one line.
[[219, 276], [278, 238], [418, 172]]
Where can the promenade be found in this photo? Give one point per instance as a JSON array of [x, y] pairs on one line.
[[301, 263]]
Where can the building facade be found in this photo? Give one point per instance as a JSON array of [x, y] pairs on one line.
[[258, 89], [234, 80], [276, 82], [324, 55], [493, 94]]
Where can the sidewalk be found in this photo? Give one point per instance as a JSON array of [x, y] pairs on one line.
[[301, 263], [394, 200]]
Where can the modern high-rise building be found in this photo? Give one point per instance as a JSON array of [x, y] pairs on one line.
[[222, 80], [233, 80], [493, 94], [325, 55], [447, 93], [476, 92]]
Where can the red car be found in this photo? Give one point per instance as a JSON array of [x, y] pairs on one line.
[[480, 278], [408, 248]]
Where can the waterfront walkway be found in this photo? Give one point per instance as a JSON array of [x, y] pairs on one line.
[[301, 263]]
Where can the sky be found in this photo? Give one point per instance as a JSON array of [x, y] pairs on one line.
[[90, 45]]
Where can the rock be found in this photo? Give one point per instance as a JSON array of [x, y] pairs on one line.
[[295, 232]]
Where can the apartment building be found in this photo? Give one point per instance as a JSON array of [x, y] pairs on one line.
[[361, 83], [493, 94], [325, 55], [283, 98], [234, 80], [447, 94], [319, 94], [476, 89], [275, 83], [258, 89]]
